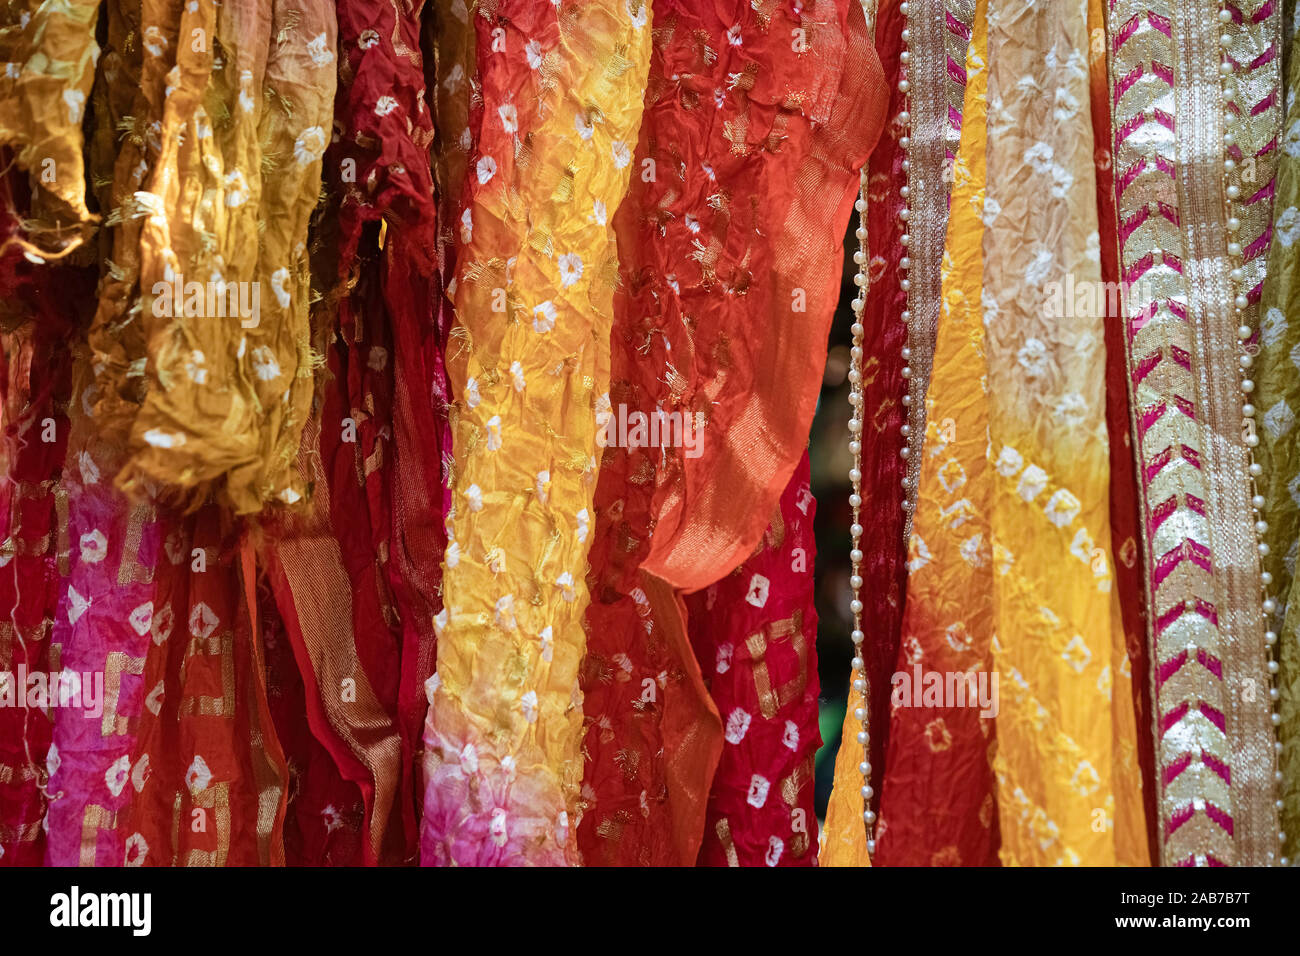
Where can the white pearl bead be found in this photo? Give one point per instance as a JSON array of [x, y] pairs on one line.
[[862, 737], [1261, 527], [1269, 604], [1234, 248], [1247, 385], [1266, 578], [1257, 502], [855, 556], [1225, 40], [855, 606], [855, 581], [1256, 469], [867, 793], [1224, 16], [855, 499], [859, 714], [864, 768], [1225, 68], [1263, 549], [871, 844], [855, 529], [1234, 224], [1270, 638], [855, 475], [857, 663], [904, 86], [1243, 332]]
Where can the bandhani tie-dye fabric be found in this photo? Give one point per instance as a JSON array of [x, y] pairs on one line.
[[49, 55], [937, 54], [923, 821], [1279, 401], [374, 457], [529, 370], [752, 633], [406, 450], [714, 326], [36, 384], [1065, 723], [218, 175]]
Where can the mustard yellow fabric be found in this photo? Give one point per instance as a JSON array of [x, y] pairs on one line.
[[1009, 563], [529, 368], [47, 65], [1069, 791], [209, 371], [1278, 403]]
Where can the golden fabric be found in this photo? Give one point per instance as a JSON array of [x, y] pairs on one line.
[[47, 64], [529, 369], [1068, 784], [207, 374], [1278, 401], [1009, 557]]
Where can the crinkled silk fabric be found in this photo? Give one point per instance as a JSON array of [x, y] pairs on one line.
[[1065, 726], [755, 636], [49, 53], [232, 121], [937, 803], [1278, 400], [746, 166], [529, 368]]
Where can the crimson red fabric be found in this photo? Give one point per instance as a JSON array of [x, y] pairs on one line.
[[755, 637]]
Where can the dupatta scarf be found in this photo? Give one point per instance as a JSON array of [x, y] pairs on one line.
[[220, 169], [529, 371], [358, 584], [1214, 743], [729, 250]]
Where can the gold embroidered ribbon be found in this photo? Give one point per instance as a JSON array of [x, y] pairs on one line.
[[1214, 750]]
